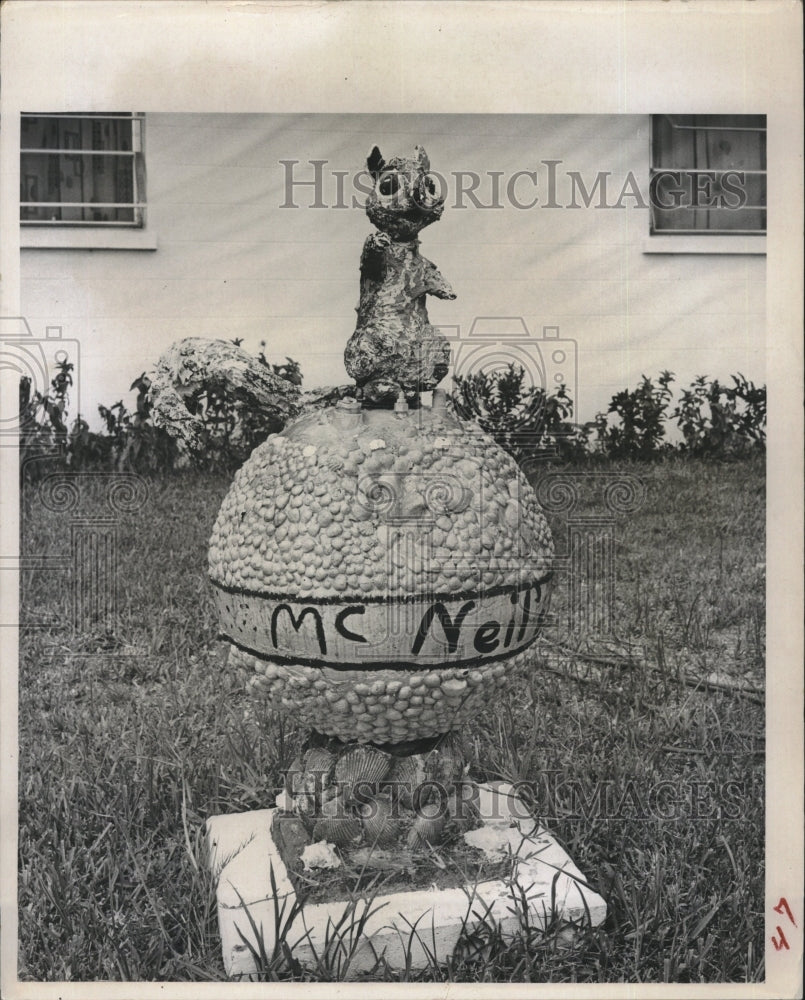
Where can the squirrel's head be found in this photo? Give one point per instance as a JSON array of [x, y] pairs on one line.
[[404, 198]]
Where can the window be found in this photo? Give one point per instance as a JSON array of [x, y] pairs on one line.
[[708, 174], [82, 170]]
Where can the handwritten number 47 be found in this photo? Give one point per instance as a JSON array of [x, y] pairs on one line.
[[780, 941]]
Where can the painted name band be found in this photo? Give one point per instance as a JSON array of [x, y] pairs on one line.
[[413, 633]]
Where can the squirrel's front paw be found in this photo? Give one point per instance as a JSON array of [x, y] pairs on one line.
[[443, 290]]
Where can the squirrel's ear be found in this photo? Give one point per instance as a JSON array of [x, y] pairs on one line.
[[422, 159], [375, 162]]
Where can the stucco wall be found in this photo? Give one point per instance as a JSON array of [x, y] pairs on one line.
[[231, 262]]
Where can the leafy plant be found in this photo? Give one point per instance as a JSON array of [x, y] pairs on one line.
[[233, 429], [716, 420], [522, 418], [131, 440], [42, 428], [641, 414], [721, 420]]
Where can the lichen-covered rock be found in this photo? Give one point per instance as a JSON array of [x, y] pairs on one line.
[[196, 365]]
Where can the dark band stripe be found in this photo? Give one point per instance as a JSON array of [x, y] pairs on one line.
[[290, 661], [456, 595]]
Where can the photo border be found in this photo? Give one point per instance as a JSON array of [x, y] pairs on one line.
[[546, 57]]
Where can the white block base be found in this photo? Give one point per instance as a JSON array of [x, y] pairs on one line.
[[242, 852]]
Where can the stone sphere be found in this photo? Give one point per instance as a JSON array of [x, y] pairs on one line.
[[379, 574]]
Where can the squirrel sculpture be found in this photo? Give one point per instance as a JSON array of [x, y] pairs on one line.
[[394, 353]]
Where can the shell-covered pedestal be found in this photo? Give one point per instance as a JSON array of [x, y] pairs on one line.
[[380, 574]]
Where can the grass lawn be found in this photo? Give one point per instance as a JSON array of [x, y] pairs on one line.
[[643, 748]]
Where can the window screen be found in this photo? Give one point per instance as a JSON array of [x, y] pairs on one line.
[[82, 170], [708, 174]]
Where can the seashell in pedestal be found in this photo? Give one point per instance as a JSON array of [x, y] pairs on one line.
[[305, 800], [428, 826], [379, 827], [359, 766], [403, 778], [320, 762], [339, 830]]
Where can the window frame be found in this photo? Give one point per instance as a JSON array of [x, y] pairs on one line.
[[718, 239], [137, 205]]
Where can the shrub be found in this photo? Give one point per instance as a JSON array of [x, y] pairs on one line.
[[42, 427], [523, 419], [720, 420], [132, 440], [136, 443], [233, 428], [641, 414], [716, 420]]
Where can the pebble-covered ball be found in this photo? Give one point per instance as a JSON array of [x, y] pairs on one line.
[[380, 574]]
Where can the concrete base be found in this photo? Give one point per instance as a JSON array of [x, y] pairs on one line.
[[243, 855]]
